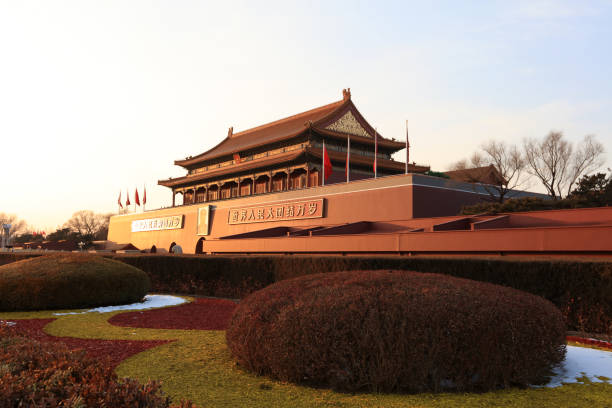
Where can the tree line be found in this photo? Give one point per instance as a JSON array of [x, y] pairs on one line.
[[553, 161], [85, 226]]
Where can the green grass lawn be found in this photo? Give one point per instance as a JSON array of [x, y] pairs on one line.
[[198, 366]]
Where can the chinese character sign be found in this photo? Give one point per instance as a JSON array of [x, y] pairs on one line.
[[163, 223], [276, 212]]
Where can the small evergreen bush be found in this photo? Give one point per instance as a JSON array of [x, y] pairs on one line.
[[389, 331], [69, 281]]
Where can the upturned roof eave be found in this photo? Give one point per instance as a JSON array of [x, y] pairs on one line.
[[338, 105], [252, 146], [382, 142]]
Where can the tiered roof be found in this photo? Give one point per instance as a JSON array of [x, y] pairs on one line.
[[337, 120], [282, 129], [287, 128], [287, 157]]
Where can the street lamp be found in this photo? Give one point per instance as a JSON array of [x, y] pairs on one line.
[[6, 228]]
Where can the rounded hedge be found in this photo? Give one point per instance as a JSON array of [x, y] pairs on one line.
[[69, 281], [397, 331]]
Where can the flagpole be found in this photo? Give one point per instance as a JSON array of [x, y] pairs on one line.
[[348, 160], [375, 153], [407, 147], [323, 162]]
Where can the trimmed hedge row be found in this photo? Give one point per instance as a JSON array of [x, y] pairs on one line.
[[389, 331], [8, 257], [581, 289]]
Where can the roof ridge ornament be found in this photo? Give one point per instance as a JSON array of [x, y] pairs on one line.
[[230, 132], [346, 94]]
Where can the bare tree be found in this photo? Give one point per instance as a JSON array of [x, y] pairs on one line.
[[508, 163], [102, 233], [553, 161], [17, 226], [459, 165], [587, 158], [475, 161], [85, 222]]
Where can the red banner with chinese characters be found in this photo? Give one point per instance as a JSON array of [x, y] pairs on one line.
[[289, 211]]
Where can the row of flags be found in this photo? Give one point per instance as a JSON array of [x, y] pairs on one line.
[[136, 198], [327, 166]]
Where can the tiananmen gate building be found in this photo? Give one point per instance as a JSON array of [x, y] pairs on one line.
[[263, 190]]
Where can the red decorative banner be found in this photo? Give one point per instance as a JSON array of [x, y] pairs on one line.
[[276, 212]]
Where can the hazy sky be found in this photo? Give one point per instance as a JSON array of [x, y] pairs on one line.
[[102, 96]]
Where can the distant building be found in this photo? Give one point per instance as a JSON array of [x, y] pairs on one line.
[[61, 245], [486, 175]]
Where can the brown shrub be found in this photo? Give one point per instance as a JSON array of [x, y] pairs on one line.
[[397, 331], [50, 375], [69, 280]]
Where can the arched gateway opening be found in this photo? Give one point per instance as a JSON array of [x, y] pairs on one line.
[[199, 249]]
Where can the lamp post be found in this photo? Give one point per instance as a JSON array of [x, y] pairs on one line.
[[6, 228]]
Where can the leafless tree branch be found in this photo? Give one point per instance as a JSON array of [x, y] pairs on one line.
[[17, 226], [555, 163]]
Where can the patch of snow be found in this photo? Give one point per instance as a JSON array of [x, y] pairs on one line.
[[7, 323], [583, 364], [150, 302]]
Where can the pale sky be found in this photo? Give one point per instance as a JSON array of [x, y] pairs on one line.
[[102, 96]]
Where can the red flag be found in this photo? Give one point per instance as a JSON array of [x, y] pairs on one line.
[[119, 200], [375, 152], [327, 166], [346, 168], [128, 198], [136, 198], [144, 196], [237, 158]]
